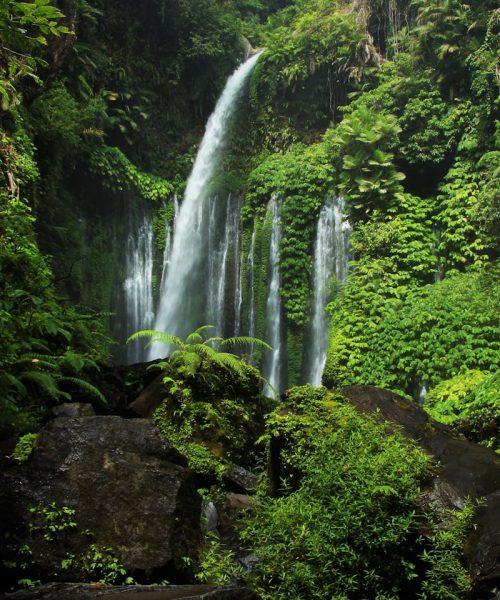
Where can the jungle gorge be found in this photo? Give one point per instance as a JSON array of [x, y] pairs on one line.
[[249, 299]]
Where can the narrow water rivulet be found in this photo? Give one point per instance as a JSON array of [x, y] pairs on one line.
[[331, 255]]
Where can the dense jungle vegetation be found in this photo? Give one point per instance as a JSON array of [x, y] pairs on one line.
[[392, 104]]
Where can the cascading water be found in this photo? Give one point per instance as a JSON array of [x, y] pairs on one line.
[[331, 254], [137, 287], [183, 302], [169, 236], [221, 251], [273, 360], [251, 288]]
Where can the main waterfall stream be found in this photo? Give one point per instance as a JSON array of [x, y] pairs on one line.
[[200, 248]]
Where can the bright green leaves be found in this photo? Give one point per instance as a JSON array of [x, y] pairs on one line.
[[315, 53], [303, 177], [433, 333], [24, 28], [469, 401], [361, 147], [119, 174], [461, 241], [348, 506]]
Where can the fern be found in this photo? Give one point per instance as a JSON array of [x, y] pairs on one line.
[[44, 381], [245, 340], [86, 387], [191, 351]]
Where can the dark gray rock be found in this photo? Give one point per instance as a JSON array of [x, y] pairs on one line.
[[128, 486], [76, 591], [466, 470], [74, 409], [243, 479]]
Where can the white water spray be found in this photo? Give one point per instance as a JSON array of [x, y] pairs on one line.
[[137, 286], [272, 362], [331, 255]]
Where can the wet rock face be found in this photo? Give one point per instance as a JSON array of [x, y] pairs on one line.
[[74, 591], [130, 490], [466, 470]]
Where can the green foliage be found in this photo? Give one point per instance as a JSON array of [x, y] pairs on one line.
[[347, 517], [24, 447], [460, 243], [54, 529], [212, 399], [302, 176], [56, 117], [315, 51], [25, 27], [119, 174], [446, 576], [218, 564], [470, 401], [361, 146], [433, 333]]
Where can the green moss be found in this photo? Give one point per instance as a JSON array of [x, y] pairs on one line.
[[294, 353], [24, 447]]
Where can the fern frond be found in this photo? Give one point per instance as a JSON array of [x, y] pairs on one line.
[[213, 340], [74, 361], [204, 328], [230, 361], [157, 336], [85, 386], [196, 336], [244, 340], [12, 382], [190, 361], [44, 381]]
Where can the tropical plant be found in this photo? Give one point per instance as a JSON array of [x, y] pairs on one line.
[[189, 354], [345, 513], [212, 409], [25, 27]]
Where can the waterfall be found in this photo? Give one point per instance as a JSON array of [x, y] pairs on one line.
[[251, 287], [183, 297], [137, 287], [223, 246], [169, 235], [272, 360], [239, 266], [331, 254]]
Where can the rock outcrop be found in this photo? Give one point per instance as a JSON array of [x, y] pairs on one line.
[[129, 489], [466, 471]]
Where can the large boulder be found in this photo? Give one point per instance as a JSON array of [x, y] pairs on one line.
[[76, 591], [466, 471], [129, 489]]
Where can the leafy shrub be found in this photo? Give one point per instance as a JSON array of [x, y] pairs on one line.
[[213, 406], [347, 521], [24, 447], [470, 402], [389, 334]]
